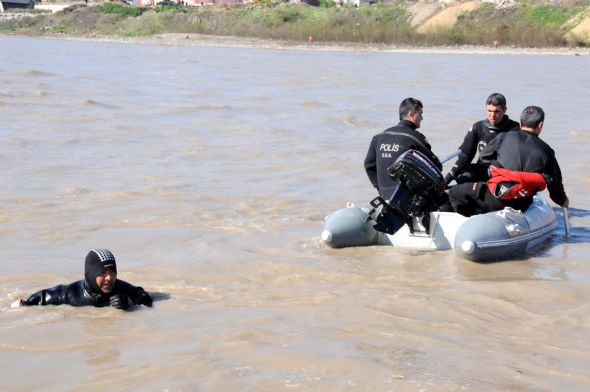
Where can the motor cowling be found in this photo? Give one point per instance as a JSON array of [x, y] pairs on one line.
[[419, 187]]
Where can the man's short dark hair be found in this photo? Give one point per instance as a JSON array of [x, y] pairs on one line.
[[497, 99], [409, 105], [531, 117]]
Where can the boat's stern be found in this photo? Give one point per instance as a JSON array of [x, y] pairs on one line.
[[350, 226]]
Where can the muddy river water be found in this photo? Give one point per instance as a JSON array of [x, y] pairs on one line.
[[208, 172]]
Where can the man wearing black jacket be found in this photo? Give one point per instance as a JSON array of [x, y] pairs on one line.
[[521, 151], [387, 146], [99, 288], [480, 134]]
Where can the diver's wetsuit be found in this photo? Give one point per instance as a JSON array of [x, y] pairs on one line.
[[79, 294], [386, 147], [517, 151], [480, 134], [526, 151], [87, 292]]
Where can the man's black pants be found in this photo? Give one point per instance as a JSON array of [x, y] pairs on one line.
[[474, 198]]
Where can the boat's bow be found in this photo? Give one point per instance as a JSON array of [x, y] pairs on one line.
[[505, 234]]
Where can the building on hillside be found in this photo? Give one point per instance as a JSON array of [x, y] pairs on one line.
[[229, 2], [190, 3], [6, 4], [316, 3], [153, 3]]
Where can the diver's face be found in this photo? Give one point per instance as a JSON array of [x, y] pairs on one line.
[[106, 281], [495, 113]]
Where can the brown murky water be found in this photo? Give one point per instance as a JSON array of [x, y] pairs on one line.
[[208, 172]]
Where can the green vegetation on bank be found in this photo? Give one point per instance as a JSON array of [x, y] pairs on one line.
[[526, 24]]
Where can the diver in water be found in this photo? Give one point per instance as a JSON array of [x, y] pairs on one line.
[[99, 288]]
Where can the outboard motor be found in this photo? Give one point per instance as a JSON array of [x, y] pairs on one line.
[[419, 188]]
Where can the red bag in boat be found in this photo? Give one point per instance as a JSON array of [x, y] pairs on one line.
[[507, 184]]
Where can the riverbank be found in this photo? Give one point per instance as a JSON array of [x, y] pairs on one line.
[[232, 41], [403, 26], [175, 39]]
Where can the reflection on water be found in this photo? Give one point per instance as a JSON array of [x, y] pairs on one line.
[[209, 171]]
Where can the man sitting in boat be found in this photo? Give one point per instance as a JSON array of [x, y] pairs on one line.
[[390, 144], [515, 155], [480, 134]]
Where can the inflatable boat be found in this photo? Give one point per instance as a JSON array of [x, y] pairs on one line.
[[407, 221]]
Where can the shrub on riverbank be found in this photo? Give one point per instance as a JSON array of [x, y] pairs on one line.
[[526, 24], [529, 26]]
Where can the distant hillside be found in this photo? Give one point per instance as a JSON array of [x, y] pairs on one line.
[[505, 22]]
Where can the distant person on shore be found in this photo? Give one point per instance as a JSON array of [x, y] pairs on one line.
[[480, 134], [521, 165], [388, 145], [99, 288]]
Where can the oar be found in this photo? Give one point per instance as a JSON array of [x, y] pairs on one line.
[[450, 156], [566, 222]]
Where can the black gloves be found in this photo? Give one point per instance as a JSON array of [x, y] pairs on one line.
[[119, 301], [122, 301], [35, 299], [143, 298], [448, 178]]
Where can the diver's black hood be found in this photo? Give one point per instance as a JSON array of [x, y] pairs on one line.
[[97, 261]]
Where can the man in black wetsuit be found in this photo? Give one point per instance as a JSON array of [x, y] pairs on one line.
[[521, 151], [480, 134], [99, 288], [387, 146]]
